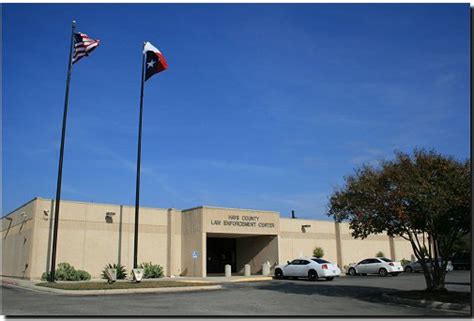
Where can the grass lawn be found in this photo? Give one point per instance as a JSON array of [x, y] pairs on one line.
[[447, 297], [118, 285]]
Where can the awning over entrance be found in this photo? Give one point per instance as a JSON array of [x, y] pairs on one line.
[[238, 250], [221, 236]]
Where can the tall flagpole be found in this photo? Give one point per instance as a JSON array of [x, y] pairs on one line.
[[137, 196], [60, 167]]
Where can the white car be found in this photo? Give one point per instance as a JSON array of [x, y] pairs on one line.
[[378, 265], [308, 267]]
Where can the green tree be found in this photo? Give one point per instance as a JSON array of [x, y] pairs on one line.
[[318, 252], [463, 244], [424, 198]]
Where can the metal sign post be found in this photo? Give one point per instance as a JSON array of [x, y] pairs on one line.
[[195, 256]]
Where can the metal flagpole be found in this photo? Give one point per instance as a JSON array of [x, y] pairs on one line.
[[137, 196], [60, 168]]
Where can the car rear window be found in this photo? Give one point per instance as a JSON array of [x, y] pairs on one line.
[[385, 259], [320, 261]]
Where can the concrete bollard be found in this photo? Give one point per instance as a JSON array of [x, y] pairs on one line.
[[266, 268], [247, 270], [228, 271]]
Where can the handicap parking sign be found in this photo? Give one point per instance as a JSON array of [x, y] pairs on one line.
[[195, 254]]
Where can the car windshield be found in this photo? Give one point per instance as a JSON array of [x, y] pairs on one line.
[[385, 259], [320, 261]]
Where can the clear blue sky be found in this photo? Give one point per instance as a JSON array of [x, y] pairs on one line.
[[263, 106]]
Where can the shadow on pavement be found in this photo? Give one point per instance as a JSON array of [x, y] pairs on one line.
[[458, 283], [364, 293]]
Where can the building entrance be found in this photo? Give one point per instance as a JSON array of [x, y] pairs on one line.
[[220, 252], [237, 250]]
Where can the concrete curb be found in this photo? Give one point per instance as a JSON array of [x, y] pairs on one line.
[[115, 291], [250, 280], [215, 285], [429, 304], [9, 282]]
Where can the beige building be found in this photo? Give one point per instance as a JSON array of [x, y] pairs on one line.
[[195, 242]]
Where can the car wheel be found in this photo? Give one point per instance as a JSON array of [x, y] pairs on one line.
[[352, 272], [395, 274], [383, 272], [312, 275], [278, 274], [330, 278], [408, 269]]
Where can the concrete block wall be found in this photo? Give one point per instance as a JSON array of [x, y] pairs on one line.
[[297, 241], [337, 242], [17, 241], [193, 238], [255, 251], [88, 239]]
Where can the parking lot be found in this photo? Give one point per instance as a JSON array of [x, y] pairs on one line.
[[344, 296]]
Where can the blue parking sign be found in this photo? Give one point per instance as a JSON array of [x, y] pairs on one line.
[[195, 254]]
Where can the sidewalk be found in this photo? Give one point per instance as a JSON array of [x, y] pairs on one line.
[[220, 279]]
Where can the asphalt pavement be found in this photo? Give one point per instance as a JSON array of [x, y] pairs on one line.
[[344, 296]]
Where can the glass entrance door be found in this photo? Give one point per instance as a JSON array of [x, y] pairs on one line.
[[220, 251]]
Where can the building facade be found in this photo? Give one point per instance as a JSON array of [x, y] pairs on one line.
[[195, 242]]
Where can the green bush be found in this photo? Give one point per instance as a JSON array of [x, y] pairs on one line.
[[347, 266], [404, 262], [151, 271], [82, 275], [379, 254], [318, 252], [121, 271], [66, 272]]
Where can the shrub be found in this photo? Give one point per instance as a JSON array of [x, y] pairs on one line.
[[379, 254], [151, 270], [67, 272], [121, 271], [318, 252], [347, 266], [404, 262], [45, 276], [82, 275]]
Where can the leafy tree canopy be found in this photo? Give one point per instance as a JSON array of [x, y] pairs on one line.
[[424, 198]]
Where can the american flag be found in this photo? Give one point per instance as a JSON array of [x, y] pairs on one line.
[[83, 45]]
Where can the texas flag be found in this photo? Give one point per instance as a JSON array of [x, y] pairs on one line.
[[154, 60]]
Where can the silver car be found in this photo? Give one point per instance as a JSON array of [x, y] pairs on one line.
[[416, 266], [377, 265]]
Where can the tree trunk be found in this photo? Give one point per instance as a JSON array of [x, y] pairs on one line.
[[434, 275], [439, 275], [428, 276], [438, 283], [438, 270]]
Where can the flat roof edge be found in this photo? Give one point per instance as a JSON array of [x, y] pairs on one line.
[[306, 219], [111, 204], [228, 208], [23, 205]]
